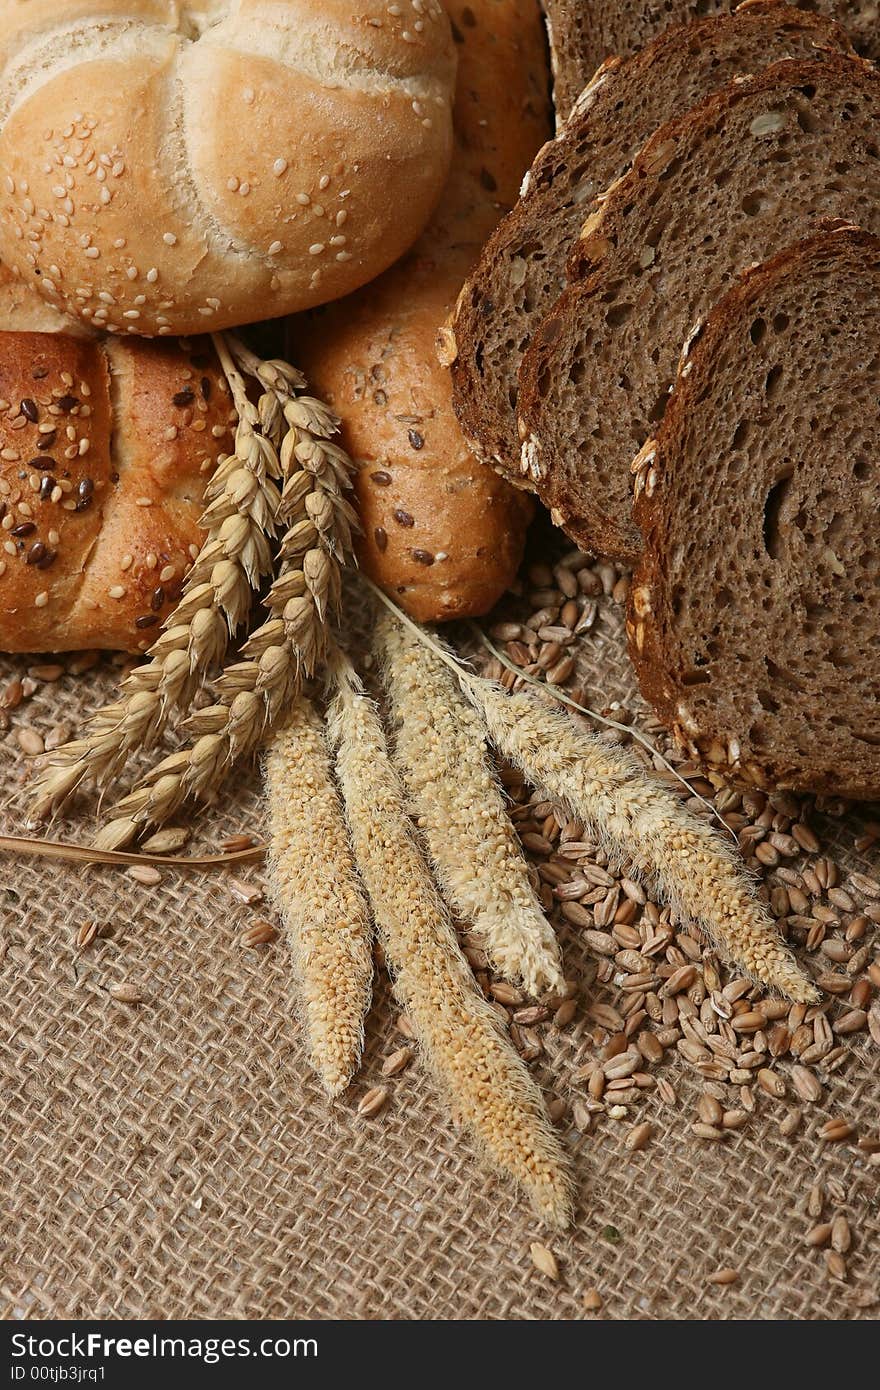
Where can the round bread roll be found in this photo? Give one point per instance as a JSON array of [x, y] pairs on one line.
[[171, 167], [105, 449], [22, 309]]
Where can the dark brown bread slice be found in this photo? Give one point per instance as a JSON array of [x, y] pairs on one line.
[[583, 33], [749, 170], [522, 269], [755, 613]]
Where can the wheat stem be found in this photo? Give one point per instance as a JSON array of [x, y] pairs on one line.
[[319, 895], [85, 854], [640, 821], [488, 1086], [441, 753]]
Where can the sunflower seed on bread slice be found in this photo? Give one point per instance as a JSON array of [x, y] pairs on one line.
[[748, 170], [583, 33], [521, 272], [754, 613]]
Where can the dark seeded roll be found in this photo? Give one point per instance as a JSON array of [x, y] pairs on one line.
[[754, 614], [105, 449], [521, 271], [583, 33], [752, 168]]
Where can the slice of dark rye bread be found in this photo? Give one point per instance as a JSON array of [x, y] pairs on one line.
[[583, 33], [754, 615], [521, 272], [749, 170]]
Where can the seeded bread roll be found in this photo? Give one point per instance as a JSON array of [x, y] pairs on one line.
[[739, 176], [754, 613], [583, 33], [105, 449], [171, 166], [442, 533], [521, 272], [22, 309]]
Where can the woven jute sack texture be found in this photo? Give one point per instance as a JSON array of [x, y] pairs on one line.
[[176, 1159]]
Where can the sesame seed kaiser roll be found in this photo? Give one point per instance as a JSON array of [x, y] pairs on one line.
[[170, 167], [105, 449], [21, 308]]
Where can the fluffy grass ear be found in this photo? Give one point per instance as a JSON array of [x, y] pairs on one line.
[[285, 473], [484, 1081], [317, 890], [637, 819], [441, 751]]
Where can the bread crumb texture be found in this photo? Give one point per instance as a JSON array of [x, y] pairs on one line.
[[753, 617]]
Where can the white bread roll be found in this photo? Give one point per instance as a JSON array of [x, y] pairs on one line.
[[23, 311], [170, 167]]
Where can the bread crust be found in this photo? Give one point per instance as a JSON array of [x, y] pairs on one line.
[[275, 158], [728, 754], [105, 449], [582, 36], [480, 392], [23, 310], [587, 518], [442, 533]]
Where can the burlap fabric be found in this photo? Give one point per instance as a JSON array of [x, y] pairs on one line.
[[177, 1159]]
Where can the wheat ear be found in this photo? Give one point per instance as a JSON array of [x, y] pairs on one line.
[[487, 1085], [255, 692], [316, 888], [441, 753], [242, 503], [640, 821]]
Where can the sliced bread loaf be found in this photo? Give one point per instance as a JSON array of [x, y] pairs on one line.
[[522, 269], [749, 170], [755, 613], [583, 33]]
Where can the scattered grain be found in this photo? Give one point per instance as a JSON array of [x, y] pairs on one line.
[[247, 893], [86, 935], [818, 1235], [145, 874], [397, 1061], [168, 840], [258, 934], [835, 1265], [30, 742], [835, 1131], [544, 1260], [841, 1236], [126, 994], [639, 1136], [372, 1101]]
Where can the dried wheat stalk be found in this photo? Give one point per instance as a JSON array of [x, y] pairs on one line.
[[243, 503], [440, 747], [256, 691], [641, 822], [319, 895], [487, 1085]]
